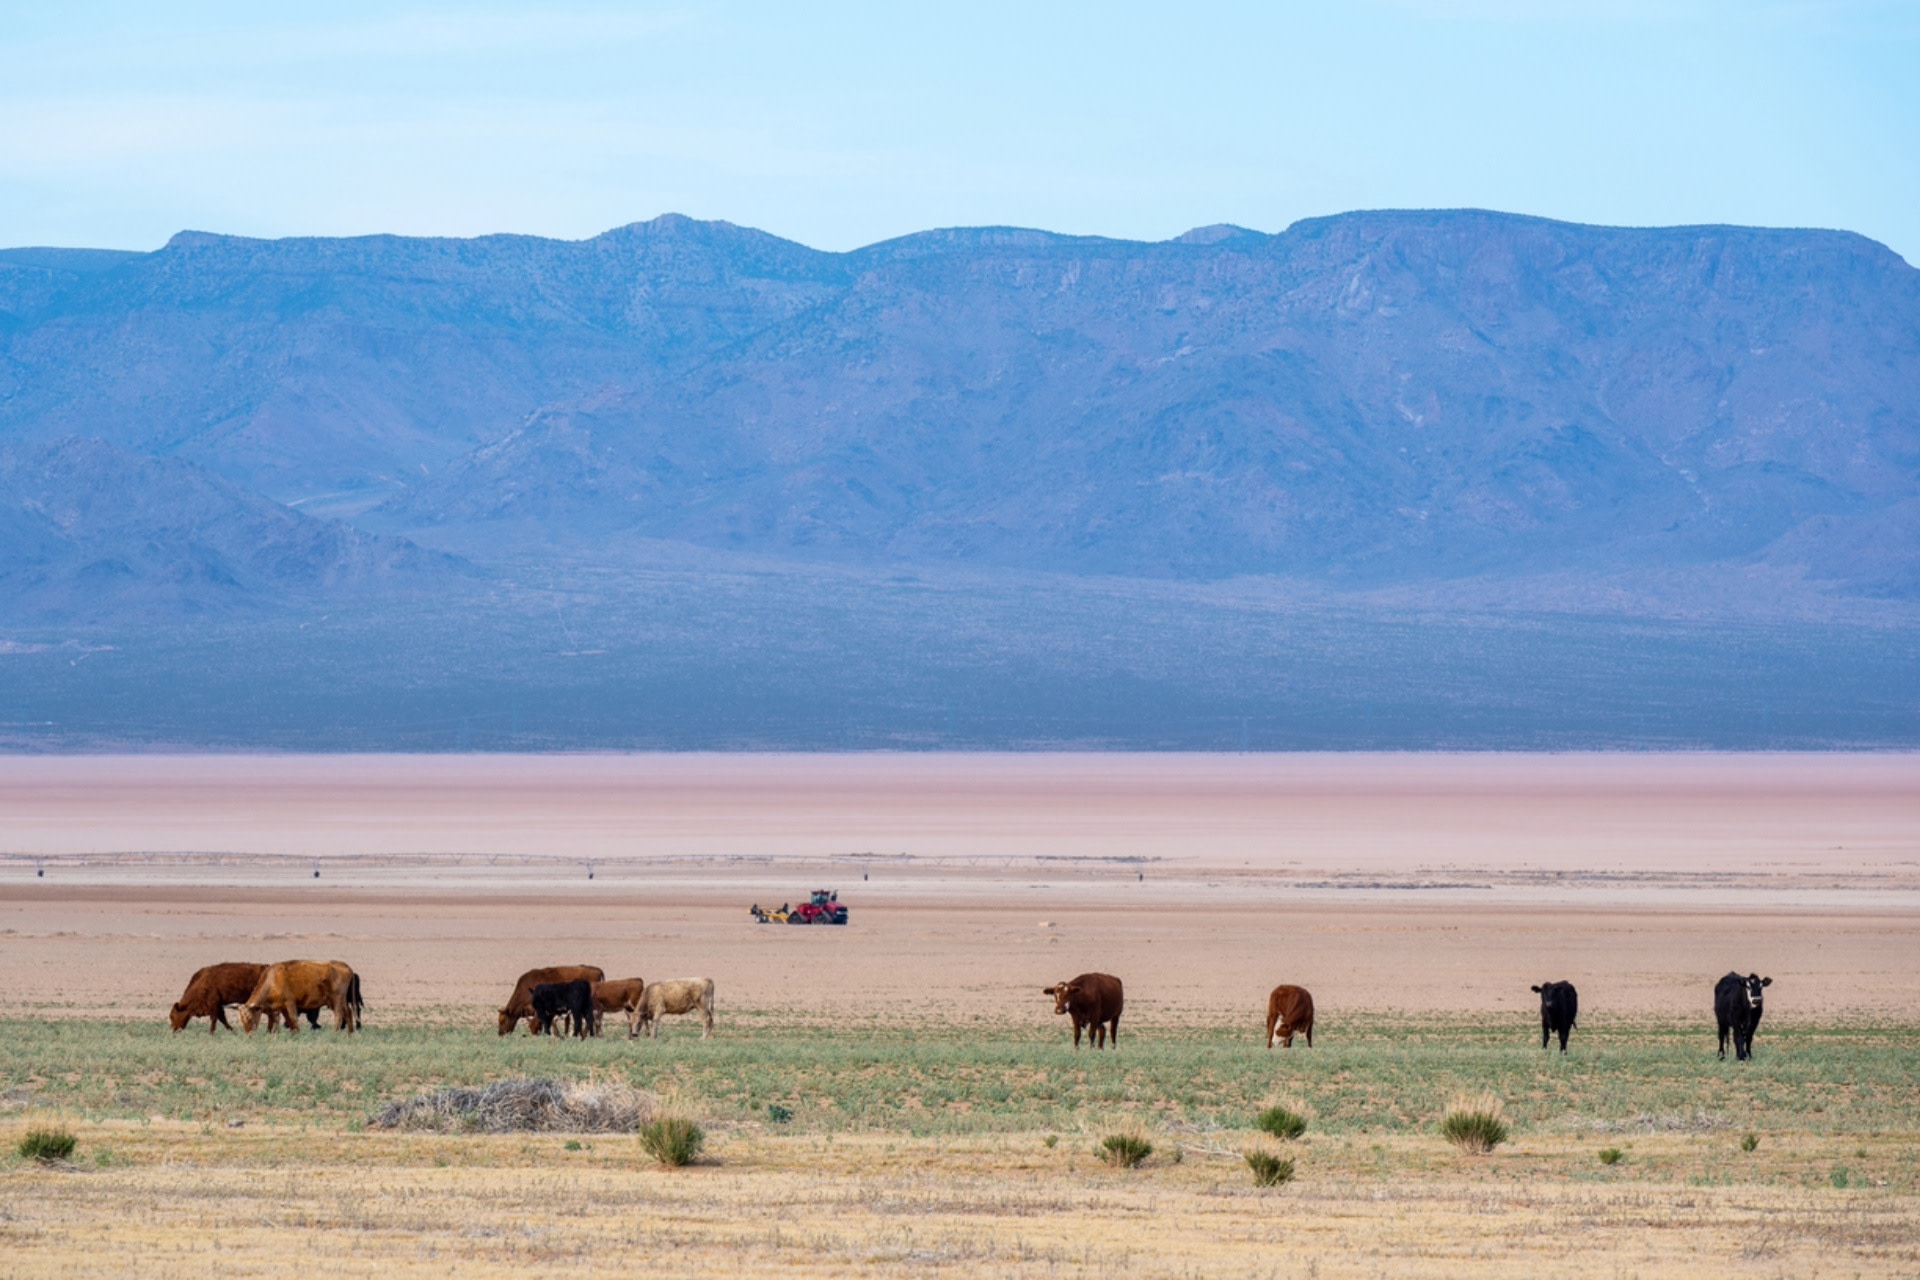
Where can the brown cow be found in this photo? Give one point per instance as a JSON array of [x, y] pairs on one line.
[[1094, 999], [1289, 1009], [211, 990], [619, 996], [294, 986], [520, 1004]]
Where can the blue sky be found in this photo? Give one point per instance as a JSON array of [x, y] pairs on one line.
[[838, 125]]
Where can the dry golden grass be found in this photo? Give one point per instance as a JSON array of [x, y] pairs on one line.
[[190, 1201]]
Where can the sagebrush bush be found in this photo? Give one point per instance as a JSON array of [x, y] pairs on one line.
[[1269, 1168], [1281, 1122], [1475, 1125], [1124, 1150], [672, 1140], [1611, 1155], [47, 1145], [1750, 1142]]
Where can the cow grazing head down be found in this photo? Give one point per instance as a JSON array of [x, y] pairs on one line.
[[507, 1022], [1750, 988], [1062, 993], [179, 1016]]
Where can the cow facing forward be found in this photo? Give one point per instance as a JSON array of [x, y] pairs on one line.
[[573, 1000], [1559, 1010], [293, 987], [676, 996], [1738, 1004], [1289, 1011], [1092, 1000], [520, 1004]]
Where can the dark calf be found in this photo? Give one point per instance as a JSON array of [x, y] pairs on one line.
[[573, 999], [1559, 1009], [1738, 1004]]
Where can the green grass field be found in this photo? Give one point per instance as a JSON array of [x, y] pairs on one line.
[[1379, 1075]]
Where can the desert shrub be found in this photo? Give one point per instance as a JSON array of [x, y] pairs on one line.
[[673, 1140], [1475, 1125], [1750, 1142], [1124, 1150], [47, 1145], [1281, 1122], [1611, 1155], [1839, 1177], [1270, 1168], [522, 1106], [777, 1114]]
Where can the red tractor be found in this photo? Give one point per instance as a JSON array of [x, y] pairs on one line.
[[824, 909]]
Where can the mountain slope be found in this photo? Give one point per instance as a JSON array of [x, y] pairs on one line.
[[94, 532], [303, 368], [1369, 397], [1385, 480]]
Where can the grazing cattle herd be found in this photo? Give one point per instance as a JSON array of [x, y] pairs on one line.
[[574, 998], [520, 1004]]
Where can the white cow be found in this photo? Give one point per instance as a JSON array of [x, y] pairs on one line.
[[676, 995]]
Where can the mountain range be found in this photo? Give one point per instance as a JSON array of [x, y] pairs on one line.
[[1551, 450]]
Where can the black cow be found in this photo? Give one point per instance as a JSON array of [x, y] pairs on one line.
[[1737, 1003], [1559, 1010], [574, 999]]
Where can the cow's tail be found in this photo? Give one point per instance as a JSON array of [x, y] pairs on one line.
[[353, 997]]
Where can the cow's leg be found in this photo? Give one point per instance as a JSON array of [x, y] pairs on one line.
[[1723, 1042], [1286, 1040], [1309, 1031], [1563, 1037], [1076, 1033], [706, 1013], [1271, 1022], [1546, 1030], [218, 1019]]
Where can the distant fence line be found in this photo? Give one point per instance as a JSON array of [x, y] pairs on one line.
[[188, 859]]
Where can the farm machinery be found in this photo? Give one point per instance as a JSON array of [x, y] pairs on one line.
[[824, 908]]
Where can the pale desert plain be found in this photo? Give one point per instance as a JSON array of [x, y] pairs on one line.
[[942, 1122]]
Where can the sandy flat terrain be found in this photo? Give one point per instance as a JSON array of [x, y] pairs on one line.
[[1621, 812], [271, 1204], [1407, 882]]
